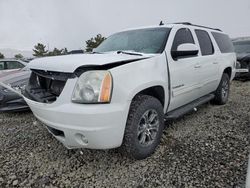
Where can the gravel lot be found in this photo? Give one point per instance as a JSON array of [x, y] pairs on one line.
[[207, 148]]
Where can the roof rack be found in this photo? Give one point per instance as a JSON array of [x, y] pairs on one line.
[[188, 23]]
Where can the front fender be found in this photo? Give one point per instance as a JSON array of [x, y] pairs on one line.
[[130, 79]]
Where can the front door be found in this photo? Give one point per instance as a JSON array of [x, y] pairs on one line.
[[184, 72]]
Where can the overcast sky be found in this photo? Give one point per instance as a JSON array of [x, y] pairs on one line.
[[68, 23]]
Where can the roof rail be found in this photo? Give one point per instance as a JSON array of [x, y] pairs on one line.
[[188, 23]]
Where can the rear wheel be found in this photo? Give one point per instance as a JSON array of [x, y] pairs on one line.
[[144, 127], [222, 92]]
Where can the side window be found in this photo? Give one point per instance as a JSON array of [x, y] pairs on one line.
[[182, 36], [205, 42], [1, 65], [224, 42], [14, 65]]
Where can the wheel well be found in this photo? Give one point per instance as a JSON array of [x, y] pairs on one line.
[[155, 91], [228, 71]]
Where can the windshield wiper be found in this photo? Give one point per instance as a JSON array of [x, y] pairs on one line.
[[129, 53]]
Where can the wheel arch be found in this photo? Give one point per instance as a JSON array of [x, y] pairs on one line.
[[156, 91], [228, 71]]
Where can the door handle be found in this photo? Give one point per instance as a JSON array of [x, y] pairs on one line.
[[197, 66], [215, 63]]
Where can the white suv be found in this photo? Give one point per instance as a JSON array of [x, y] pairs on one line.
[[120, 94]]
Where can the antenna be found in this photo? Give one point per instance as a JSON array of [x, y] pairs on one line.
[[161, 23]]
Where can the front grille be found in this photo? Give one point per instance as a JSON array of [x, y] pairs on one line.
[[46, 86]]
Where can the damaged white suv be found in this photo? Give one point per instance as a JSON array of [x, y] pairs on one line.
[[120, 94]]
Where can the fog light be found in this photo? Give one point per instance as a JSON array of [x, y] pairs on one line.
[[81, 139], [84, 139]]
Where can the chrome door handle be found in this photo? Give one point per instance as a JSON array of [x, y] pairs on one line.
[[197, 66]]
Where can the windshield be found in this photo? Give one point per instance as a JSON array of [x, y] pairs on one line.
[[142, 40], [242, 47]]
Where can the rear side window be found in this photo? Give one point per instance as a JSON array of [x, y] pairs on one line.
[[205, 42], [1, 65], [182, 36], [224, 42], [14, 65]]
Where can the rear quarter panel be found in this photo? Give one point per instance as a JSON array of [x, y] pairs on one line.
[[228, 60]]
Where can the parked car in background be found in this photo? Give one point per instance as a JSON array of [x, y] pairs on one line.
[[10, 100], [76, 52], [8, 66], [27, 59], [242, 49]]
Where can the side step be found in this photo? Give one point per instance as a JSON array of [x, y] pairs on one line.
[[188, 107]]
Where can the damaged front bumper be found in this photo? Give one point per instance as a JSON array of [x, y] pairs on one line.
[[94, 126]]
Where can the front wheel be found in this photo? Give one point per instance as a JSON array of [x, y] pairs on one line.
[[144, 127], [222, 92]]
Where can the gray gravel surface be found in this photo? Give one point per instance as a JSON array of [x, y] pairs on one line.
[[207, 148]]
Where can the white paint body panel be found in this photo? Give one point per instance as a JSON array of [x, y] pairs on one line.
[[104, 124], [69, 63]]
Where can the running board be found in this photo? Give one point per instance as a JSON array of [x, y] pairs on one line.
[[188, 107]]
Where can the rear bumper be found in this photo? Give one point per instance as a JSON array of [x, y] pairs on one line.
[[242, 70], [99, 126], [242, 73]]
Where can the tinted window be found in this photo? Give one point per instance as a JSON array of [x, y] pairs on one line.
[[141, 40], [182, 36], [1, 65], [242, 46], [205, 42], [224, 42], [14, 65]]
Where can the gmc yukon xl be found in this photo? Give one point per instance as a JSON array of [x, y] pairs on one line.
[[120, 95]]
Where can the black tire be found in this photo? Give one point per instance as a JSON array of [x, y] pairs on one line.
[[136, 132], [222, 92]]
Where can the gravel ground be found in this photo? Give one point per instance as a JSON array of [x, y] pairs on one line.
[[207, 148]]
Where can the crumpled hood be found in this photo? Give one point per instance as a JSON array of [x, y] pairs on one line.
[[69, 63], [243, 57]]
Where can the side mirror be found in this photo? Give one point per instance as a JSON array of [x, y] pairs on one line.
[[183, 50]]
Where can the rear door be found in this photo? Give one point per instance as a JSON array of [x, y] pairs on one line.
[[209, 71], [184, 72]]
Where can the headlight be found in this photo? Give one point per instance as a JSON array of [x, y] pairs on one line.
[[93, 87]]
